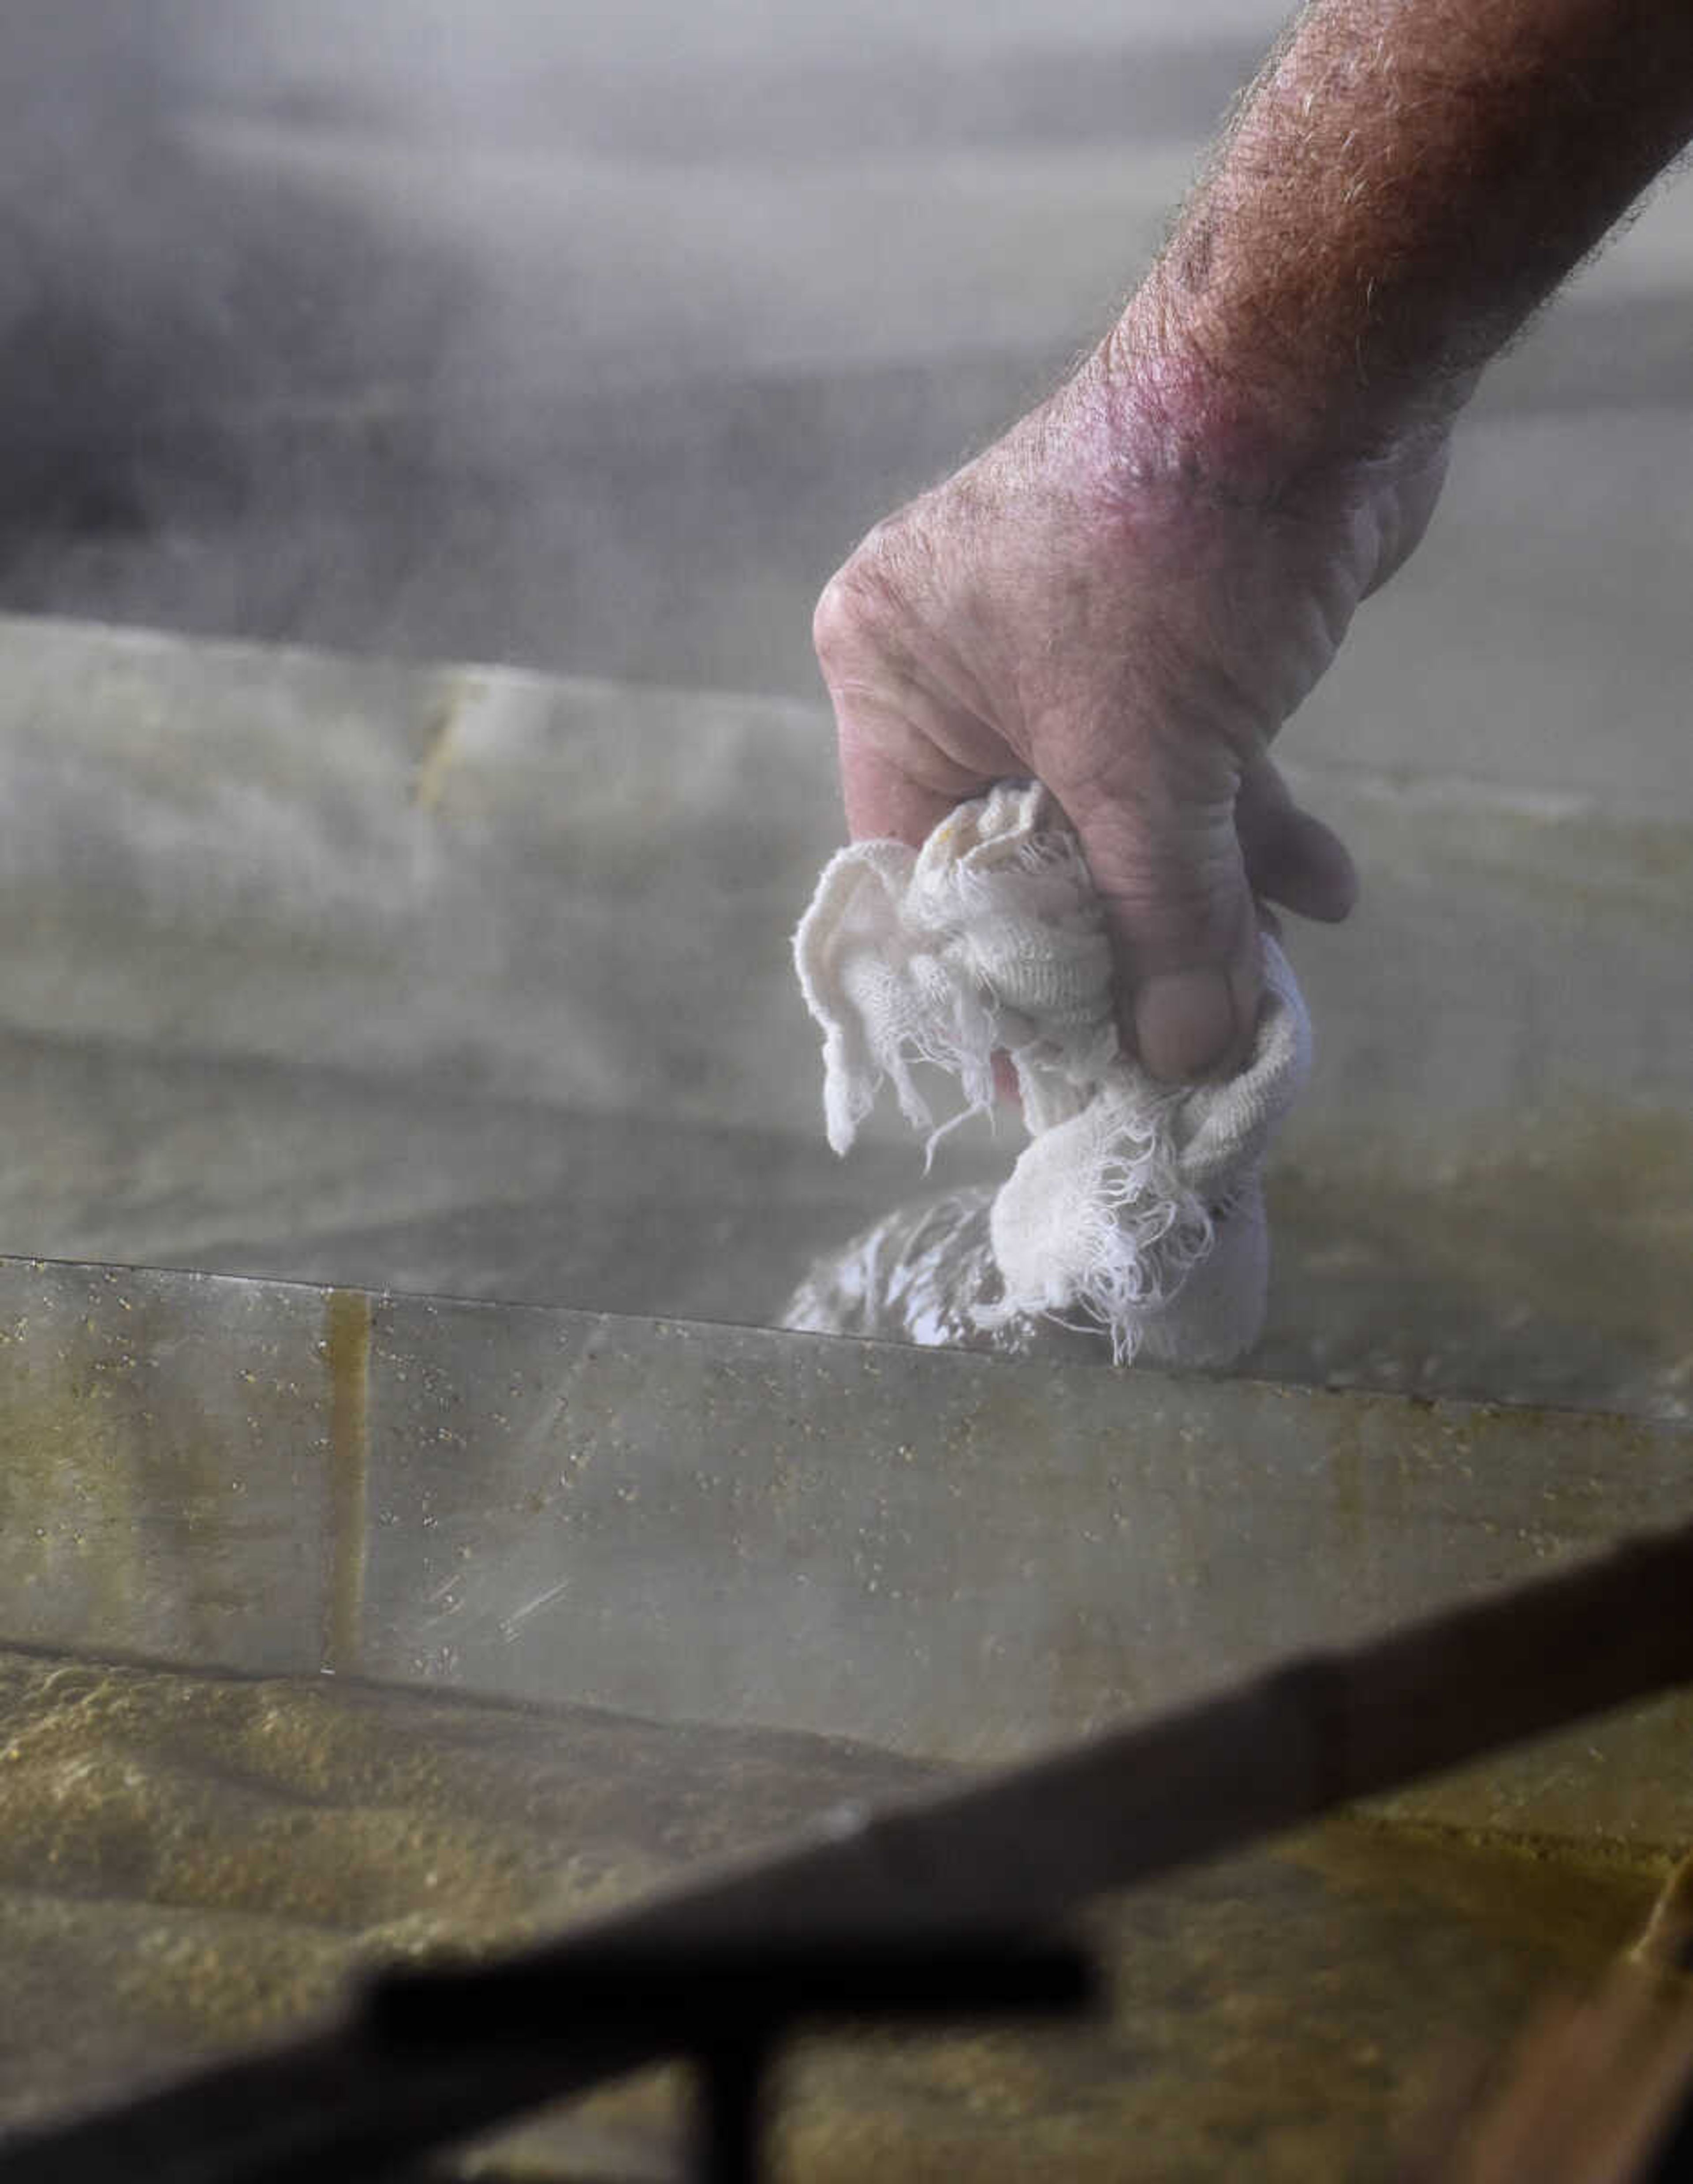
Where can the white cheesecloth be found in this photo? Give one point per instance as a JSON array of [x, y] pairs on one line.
[[1136, 1205]]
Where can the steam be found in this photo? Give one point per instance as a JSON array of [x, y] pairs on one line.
[[586, 337]]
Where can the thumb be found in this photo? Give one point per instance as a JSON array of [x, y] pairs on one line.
[[1182, 925]]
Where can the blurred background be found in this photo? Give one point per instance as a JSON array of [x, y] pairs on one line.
[[589, 338]]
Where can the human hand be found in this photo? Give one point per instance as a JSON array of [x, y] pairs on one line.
[[1125, 598]]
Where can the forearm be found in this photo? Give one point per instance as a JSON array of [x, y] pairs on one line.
[[1129, 594], [1406, 181]]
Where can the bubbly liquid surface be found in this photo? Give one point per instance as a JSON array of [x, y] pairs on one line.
[[1556, 1275], [189, 1861]]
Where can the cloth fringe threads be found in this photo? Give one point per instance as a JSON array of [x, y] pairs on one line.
[[1137, 1206]]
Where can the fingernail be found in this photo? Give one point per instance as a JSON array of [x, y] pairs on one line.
[[1184, 1024]]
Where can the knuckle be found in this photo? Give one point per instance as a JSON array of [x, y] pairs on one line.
[[837, 622], [857, 611]]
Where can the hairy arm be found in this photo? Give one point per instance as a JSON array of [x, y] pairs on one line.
[[1128, 594], [1406, 182]]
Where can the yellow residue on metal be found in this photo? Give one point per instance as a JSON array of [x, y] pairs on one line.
[[347, 1354]]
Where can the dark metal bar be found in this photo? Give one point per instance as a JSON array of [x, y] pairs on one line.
[[731, 2099], [675, 1993]]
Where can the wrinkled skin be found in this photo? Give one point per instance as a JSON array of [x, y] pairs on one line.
[[1125, 600]]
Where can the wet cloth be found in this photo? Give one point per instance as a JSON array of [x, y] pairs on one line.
[[1136, 1207]]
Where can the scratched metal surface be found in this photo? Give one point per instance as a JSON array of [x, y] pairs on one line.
[[942, 1554]]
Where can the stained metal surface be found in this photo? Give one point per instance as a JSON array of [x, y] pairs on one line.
[[944, 1554]]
